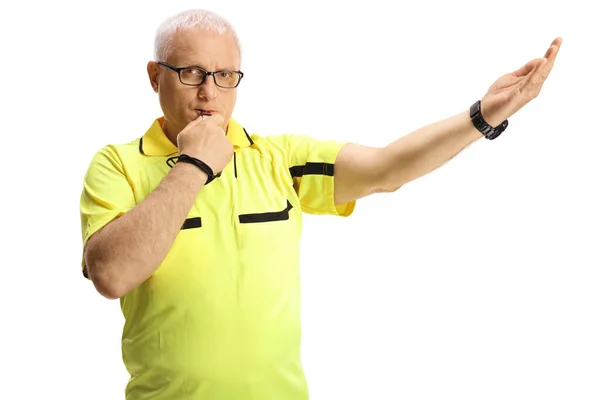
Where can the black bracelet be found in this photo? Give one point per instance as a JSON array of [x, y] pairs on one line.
[[488, 131], [198, 163]]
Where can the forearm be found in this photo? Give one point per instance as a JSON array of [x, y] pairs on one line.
[[426, 149], [128, 250]]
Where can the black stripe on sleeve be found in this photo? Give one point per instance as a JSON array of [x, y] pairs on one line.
[[311, 168]]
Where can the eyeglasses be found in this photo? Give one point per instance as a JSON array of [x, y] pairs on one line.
[[196, 76]]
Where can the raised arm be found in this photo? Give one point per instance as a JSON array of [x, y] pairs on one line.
[[362, 170], [127, 250]]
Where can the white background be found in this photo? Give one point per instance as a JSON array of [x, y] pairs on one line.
[[477, 281]]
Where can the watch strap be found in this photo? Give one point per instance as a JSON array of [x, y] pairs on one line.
[[488, 131]]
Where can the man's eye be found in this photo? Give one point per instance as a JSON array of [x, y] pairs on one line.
[[193, 71]]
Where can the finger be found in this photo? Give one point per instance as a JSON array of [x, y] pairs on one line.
[[552, 52], [539, 76], [557, 42], [527, 68], [196, 121], [550, 56], [199, 120], [534, 68], [216, 119]]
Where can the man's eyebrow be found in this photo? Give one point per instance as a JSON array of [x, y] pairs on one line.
[[191, 65], [195, 65]]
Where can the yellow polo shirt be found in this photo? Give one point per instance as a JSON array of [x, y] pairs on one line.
[[220, 318]]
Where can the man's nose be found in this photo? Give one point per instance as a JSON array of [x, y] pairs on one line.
[[208, 90]]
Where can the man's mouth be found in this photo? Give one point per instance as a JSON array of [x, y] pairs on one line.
[[206, 112]]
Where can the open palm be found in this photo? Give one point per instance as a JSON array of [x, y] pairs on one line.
[[512, 91]]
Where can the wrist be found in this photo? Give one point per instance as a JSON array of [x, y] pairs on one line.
[[191, 172], [488, 125], [490, 118], [196, 163]]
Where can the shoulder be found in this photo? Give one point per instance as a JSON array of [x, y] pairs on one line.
[[297, 148], [281, 139], [286, 142], [115, 155]]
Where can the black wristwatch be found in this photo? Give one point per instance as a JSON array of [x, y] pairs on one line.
[[486, 129]]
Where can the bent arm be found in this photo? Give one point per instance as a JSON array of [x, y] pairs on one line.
[[127, 251], [362, 170]]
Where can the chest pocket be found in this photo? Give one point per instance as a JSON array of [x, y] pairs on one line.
[[268, 221], [268, 216], [267, 206]]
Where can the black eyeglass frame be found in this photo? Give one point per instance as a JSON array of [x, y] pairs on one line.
[[205, 72]]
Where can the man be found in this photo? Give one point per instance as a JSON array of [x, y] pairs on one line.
[[196, 225]]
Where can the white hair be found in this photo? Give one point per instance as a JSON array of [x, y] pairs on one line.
[[189, 19]]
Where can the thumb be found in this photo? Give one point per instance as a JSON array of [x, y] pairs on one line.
[[527, 68]]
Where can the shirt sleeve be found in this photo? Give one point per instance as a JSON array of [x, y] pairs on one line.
[[312, 165], [106, 195]]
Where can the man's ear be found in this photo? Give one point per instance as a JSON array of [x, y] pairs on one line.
[[153, 75]]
